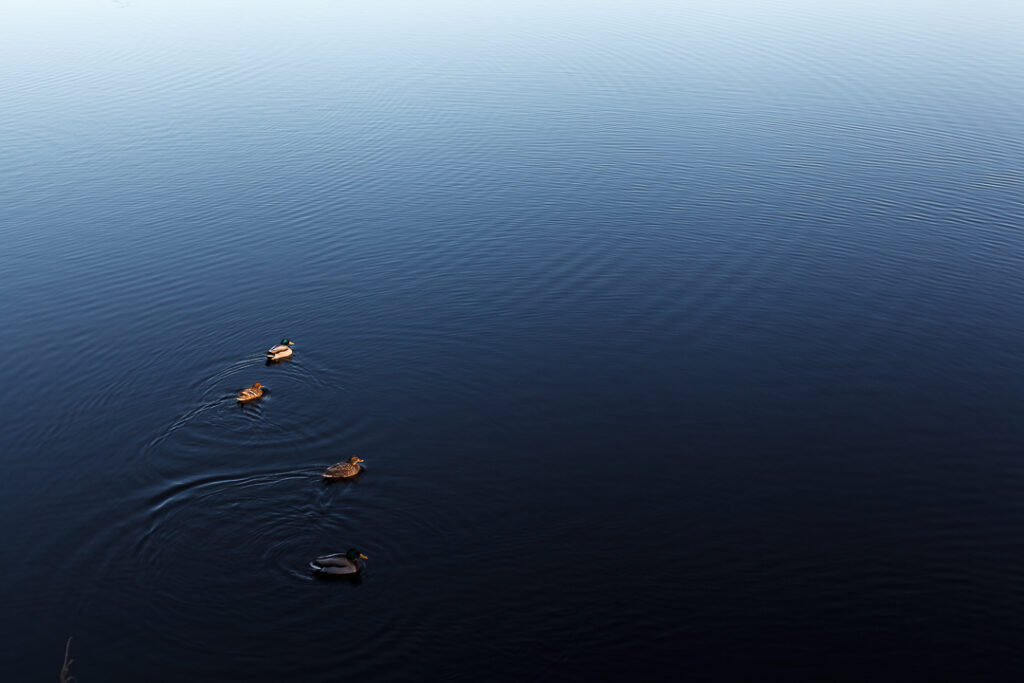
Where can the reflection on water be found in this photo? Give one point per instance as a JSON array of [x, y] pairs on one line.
[[682, 340]]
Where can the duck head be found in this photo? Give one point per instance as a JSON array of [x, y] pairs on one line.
[[354, 459], [287, 342], [354, 554]]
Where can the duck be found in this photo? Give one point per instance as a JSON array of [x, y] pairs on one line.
[[282, 350], [250, 393], [339, 564], [344, 470]]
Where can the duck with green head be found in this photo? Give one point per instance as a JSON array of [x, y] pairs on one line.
[[282, 350], [339, 564]]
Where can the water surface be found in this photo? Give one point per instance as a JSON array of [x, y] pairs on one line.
[[680, 340]]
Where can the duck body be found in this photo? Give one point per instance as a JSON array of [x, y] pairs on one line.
[[344, 470], [282, 350], [339, 564], [250, 393]]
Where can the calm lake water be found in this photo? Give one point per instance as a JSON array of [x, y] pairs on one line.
[[681, 340]]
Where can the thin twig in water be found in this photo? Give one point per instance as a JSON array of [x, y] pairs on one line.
[[65, 671]]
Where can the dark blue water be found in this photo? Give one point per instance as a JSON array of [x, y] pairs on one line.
[[680, 341]]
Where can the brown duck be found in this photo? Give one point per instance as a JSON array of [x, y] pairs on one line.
[[250, 393], [344, 470]]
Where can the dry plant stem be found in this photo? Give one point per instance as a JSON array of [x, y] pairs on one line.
[[65, 671]]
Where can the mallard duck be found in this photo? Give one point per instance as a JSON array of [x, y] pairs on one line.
[[344, 470], [282, 350], [339, 564], [250, 393]]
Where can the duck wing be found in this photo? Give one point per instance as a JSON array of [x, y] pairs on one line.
[[337, 571], [335, 565], [342, 469], [250, 392]]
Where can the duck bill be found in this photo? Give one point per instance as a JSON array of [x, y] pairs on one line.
[[363, 556]]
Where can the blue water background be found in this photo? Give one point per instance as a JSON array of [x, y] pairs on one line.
[[681, 340]]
